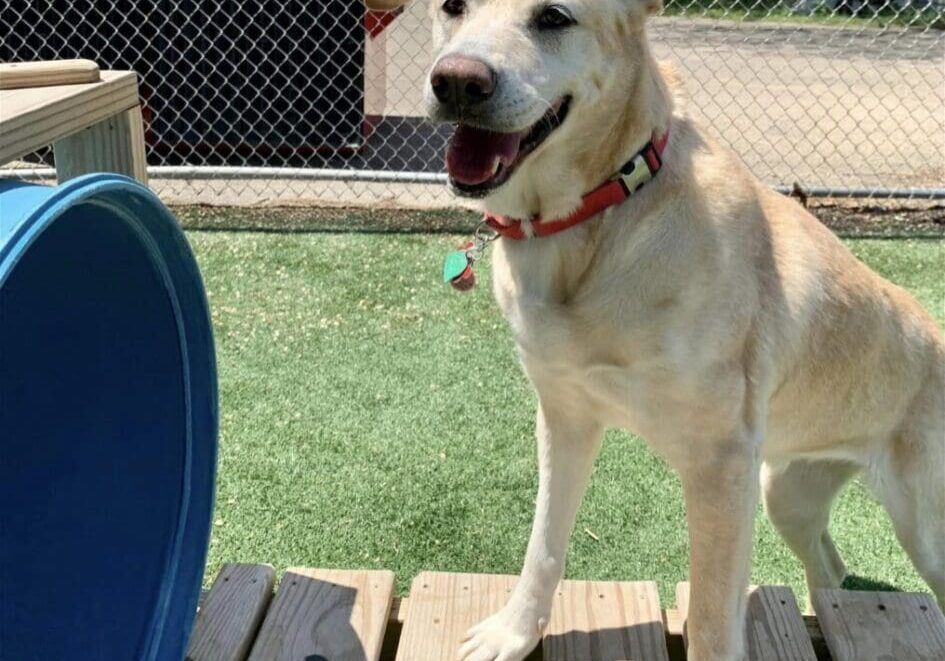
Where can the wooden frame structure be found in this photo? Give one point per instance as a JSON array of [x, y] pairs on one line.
[[92, 118]]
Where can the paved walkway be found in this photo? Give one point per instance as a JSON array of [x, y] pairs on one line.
[[821, 106], [825, 106]]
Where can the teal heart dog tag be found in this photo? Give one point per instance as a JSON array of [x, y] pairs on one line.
[[455, 265]]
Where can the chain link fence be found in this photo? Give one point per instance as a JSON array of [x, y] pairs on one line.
[[265, 102]]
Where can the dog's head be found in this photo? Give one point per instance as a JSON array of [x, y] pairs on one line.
[[525, 79]]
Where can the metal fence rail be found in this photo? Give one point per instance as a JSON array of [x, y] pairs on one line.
[[264, 102]]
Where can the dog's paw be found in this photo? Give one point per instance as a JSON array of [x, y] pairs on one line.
[[506, 636]]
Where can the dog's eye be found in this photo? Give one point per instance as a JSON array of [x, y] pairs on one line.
[[454, 7], [554, 17]]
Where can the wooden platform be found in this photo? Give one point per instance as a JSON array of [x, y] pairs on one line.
[[92, 118], [336, 615]]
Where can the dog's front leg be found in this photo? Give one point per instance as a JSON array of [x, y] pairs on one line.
[[567, 447], [720, 484]]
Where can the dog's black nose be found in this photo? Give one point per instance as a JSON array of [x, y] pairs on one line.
[[462, 82]]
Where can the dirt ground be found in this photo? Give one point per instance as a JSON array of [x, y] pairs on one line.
[[882, 219], [847, 218]]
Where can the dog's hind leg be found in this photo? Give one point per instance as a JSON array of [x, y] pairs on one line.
[[909, 479], [798, 497]]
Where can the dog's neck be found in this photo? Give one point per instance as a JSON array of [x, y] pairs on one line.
[[607, 134]]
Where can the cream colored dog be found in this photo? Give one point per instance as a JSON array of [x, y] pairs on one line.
[[715, 318]]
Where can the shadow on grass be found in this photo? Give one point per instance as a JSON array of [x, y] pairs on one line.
[[864, 584]]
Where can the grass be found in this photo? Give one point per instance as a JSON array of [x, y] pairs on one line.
[[372, 418]]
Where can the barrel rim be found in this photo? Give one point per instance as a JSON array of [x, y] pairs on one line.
[[100, 189]]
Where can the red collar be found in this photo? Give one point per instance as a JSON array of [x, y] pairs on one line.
[[632, 176]]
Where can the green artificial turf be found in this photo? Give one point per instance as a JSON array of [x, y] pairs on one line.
[[373, 418]]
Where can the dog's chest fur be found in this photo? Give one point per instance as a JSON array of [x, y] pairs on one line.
[[613, 336]]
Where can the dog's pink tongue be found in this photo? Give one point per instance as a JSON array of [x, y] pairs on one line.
[[473, 152]]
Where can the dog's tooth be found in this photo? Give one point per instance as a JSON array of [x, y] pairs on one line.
[[496, 166]]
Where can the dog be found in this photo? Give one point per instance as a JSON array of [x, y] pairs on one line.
[[693, 306]]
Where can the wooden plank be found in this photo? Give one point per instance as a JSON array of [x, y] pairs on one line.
[[625, 624], [230, 614], [672, 623], [443, 607], [878, 626], [605, 621], [336, 615], [17, 75], [682, 608], [775, 628], [115, 144], [39, 116]]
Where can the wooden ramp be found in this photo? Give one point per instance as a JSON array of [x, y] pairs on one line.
[[337, 615]]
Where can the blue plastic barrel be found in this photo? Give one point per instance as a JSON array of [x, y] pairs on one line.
[[108, 424]]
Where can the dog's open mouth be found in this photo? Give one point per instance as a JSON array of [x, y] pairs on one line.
[[479, 160]]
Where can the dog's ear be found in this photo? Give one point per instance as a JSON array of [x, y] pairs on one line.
[[385, 5]]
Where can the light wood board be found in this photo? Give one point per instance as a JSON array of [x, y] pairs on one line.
[[605, 621], [878, 626], [335, 615], [231, 613], [589, 620], [775, 627], [115, 144], [443, 607], [39, 116], [17, 75]]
